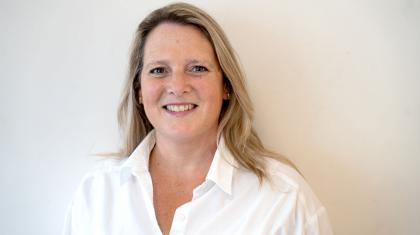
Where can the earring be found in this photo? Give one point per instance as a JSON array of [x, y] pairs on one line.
[[228, 96], [140, 100]]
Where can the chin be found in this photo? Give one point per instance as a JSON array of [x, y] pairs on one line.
[[184, 133], [176, 133]]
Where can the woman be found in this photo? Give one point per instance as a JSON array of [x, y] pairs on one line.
[[195, 165]]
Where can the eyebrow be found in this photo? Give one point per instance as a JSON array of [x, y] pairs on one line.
[[154, 62], [206, 62]]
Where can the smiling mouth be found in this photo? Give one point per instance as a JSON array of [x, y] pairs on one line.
[[179, 108]]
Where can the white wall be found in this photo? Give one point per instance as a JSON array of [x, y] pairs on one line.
[[334, 82]]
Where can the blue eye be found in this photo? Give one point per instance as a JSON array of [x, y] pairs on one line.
[[199, 69], [158, 71]]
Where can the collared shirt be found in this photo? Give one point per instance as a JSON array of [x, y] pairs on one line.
[[117, 198]]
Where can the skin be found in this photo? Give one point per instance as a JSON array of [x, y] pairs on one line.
[[180, 68]]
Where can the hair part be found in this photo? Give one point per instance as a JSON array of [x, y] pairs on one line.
[[237, 113]]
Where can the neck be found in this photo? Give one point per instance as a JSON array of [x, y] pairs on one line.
[[184, 156]]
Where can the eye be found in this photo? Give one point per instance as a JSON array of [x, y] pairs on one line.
[[158, 71], [199, 69]]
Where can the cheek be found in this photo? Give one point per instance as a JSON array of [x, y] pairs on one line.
[[213, 92], [150, 95], [150, 91]]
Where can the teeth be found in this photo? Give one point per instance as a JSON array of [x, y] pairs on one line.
[[179, 108]]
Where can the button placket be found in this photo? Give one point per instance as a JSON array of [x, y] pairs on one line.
[[181, 217], [180, 220]]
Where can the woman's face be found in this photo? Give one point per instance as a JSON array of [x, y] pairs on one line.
[[181, 83]]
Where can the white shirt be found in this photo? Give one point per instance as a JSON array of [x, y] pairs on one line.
[[118, 199]]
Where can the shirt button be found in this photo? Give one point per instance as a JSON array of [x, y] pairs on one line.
[[181, 217]]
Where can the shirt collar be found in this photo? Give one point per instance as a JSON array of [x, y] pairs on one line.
[[138, 162], [222, 167], [220, 172]]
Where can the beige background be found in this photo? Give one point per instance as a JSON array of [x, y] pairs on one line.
[[335, 84]]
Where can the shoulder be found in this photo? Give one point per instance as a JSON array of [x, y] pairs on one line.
[[98, 188], [282, 177], [284, 200], [307, 208], [281, 181], [281, 174], [104, 168], [103, 178]]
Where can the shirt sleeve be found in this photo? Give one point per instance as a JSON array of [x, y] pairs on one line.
[[77, 217], [318, 224], [67, 229]]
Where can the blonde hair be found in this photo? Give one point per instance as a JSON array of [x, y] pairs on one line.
[[237, 113]]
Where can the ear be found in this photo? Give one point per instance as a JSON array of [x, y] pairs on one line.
[[226, 88], [226, 94], [140, 98]]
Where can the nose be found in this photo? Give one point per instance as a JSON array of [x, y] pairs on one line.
[[179, 84]]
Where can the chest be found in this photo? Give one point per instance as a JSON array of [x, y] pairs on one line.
[[212, 211], [169, 193]]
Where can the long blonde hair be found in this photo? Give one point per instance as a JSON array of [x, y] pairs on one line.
[[237, 113]]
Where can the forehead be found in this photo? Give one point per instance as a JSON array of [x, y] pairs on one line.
[[172, 39]]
